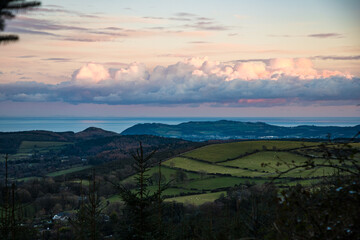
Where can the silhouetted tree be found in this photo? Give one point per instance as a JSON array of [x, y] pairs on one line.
[[328, 210], [180, 176], [10, 213], [141, 206], [340, 156], [88, 219], [8, 8]]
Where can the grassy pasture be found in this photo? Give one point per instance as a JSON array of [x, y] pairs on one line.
[[319, 152], [30, 146], [167, 172], [25, 179], [355, 145], [27, 148], [197, 199], [40, 144], [255, 160], [222, 158], [152, 189], [193, 165], [83, 182], [316, 172], [305, 182], [66, 171], [170, 190], [16, 156], [225, 151], [219, 182], [114, 198]]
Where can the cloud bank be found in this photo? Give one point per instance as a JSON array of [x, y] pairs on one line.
[[196, 81]]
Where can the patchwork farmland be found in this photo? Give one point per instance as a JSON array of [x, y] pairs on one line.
[[198, 174]]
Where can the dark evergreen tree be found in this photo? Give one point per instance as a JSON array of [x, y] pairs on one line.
[[88, 220], [11, 213], [142, 208], [8, 8]]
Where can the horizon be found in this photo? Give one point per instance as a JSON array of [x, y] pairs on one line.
[[119, 124], [171, 59]]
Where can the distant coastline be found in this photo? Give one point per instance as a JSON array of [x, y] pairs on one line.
[[119, 124]]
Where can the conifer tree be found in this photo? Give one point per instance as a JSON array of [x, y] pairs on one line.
[[5, 208], [142, 208], [10, 212], [87, 223]]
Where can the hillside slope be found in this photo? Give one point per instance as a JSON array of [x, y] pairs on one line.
[[201, 131], [198, 174]]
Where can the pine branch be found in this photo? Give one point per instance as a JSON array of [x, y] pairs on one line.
[[21, 5], [4, 39], [7, 9]]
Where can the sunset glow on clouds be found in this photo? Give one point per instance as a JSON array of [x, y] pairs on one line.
[[196, 81], [203, 54], [272, 69]]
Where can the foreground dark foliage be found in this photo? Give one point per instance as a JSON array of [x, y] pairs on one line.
[[7, 12], [329, 211], [139, 215]]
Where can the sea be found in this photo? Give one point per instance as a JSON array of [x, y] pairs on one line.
[[119, 124]]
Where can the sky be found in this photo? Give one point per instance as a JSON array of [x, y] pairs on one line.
[[150, 58]]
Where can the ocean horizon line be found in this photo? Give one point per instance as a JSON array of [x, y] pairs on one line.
[[119, 124]]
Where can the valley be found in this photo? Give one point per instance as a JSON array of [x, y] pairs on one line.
[[55, 173], [189, 168]]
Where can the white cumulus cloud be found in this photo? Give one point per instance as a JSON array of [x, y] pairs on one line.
[[91, 73], [196, 81]]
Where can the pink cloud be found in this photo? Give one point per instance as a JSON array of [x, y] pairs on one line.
[[195, 81], [328, 73], [298, 67], [273, 69], [132, 72], [250, 71], [91, 73], [202, 67]]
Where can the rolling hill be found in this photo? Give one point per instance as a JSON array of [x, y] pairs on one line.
[[10, 141], [223, 129], [215, 168]]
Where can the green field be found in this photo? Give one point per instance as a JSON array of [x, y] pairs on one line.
[[243, 161], [16, 156], [27, 179], [305, 182], [114, 198], [83, 182], [225, 151], [28, 148], [271, 158], [316, 172], [219, 182], [67, 171], [197, 199], [201, 166], [221, 166], [167, 172], [320, 152], [171, 191], [193, 165], [152, 189]]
